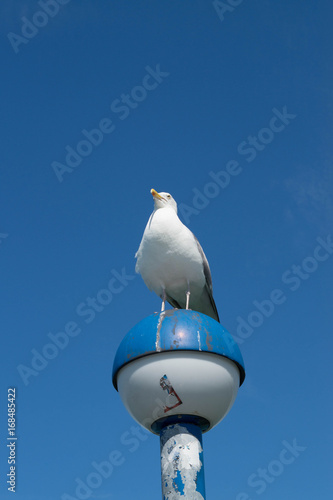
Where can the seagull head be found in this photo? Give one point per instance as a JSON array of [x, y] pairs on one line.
[[163, 200]]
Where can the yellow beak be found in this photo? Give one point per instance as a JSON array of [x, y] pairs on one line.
[[156, 194]]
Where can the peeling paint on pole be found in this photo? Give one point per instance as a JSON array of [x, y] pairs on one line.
[[182, 462]]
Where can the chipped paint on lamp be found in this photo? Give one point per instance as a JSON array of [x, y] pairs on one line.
[[201, 360]]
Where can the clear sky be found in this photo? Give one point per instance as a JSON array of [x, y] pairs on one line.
[[227, 106]]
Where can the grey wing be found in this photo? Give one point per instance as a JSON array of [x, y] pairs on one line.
[[208, 276]]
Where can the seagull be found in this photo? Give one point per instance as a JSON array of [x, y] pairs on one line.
[[171, 261]]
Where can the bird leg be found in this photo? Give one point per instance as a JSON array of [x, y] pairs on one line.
[[188, 293], [163, 300]]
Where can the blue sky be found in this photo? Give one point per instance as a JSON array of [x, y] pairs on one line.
[[229, 108]]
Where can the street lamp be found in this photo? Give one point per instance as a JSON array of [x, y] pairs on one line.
[[178, 373]]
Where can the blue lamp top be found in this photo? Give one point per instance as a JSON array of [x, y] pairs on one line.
[[177, 330]]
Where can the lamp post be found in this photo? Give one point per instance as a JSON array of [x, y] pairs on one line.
[[178, 373]]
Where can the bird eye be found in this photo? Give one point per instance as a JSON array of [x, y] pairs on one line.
[[169, 196]]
